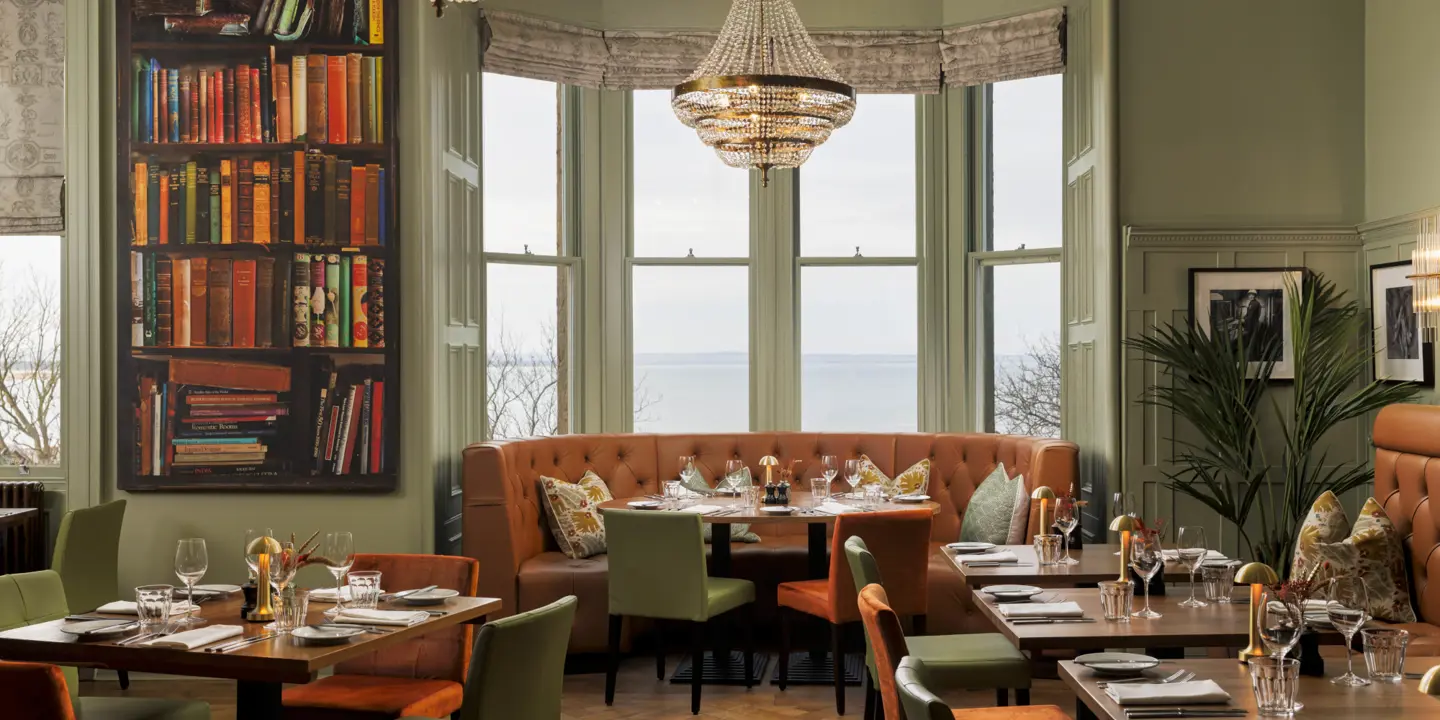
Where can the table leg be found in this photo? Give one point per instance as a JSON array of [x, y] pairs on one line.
[[259, 700], [720, 549], [1083, 711]]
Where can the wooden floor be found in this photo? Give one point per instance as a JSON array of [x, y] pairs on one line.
[[638, 697]]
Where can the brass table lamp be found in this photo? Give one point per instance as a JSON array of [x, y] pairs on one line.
[[1257, 576], [1125, 524], [265, 548], [1046, 496]]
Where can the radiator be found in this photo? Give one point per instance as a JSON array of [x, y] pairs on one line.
[[23, 549]]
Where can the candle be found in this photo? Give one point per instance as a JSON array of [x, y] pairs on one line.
[[1124, 554]]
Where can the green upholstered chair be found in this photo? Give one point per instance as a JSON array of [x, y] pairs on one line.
[[918, 703], [36, 597], [971, 662], [87, 552], [657, 570]]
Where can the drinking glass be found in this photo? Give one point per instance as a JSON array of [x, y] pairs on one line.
[[1190, 546], [829, 468], [191, 562], [152, 604], [819, 490], [1065, 521], [874, 495], [852, 474], [294, 604], [734, 474], [673, 492], [1385, 653], [1219, 581], [1146, 560], [1348, 608], [1116, 599], [1280, 622], [251, 535], [1274, 681], [1047, 550], [1122, 503], [339, 553], [364, 589]]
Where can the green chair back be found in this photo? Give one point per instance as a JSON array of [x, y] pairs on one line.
[[518, 669], [917, 702], [31, 598], [865, 571], [657, 565], [87, 555]]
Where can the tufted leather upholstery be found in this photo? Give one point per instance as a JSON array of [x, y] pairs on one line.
[[1407, 470], [505, 530]]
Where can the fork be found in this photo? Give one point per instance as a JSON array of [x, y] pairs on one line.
[[1178, 676]]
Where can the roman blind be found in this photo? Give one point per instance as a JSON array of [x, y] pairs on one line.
[[32, 116], [1007, 49]]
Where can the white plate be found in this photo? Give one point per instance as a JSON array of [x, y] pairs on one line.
[[970, 547], [777, 510], [326, 636], [645, 504], [98, 628], [1117, 663], [219, 588], [1011, 590], [910, 498], [429, 597]]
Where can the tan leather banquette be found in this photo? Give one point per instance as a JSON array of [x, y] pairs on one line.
[[505, 529], [1407, 468]]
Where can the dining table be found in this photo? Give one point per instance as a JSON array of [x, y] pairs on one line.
[[260, 669], [10, 517], [1215, 625], [1095, 563], [1323, 700]]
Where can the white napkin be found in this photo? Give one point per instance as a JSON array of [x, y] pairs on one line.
[[199, 637], [835, 508], [327, 595], [1193, 692], [127, 607], [381, 617], [1066, 609], [1002, 556], [700, 509]]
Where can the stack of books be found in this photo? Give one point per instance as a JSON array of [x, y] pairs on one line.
[[206, 302], [349, 425], [357, 21], [298, 197], [317, 99], [211, 417]]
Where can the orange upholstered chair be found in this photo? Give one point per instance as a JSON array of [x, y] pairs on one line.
[[900, 542], [34, 691], [423, 677]]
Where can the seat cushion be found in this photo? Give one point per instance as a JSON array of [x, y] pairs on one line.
[[549, 576], [1024, 712], [811, 597], [372, 696], [1424, 638], [726, 594], [98, 708], [970, 662]]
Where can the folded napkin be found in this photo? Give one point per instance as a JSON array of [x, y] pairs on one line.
[[835, 508], [327, 595], [701, 509], [1002, 556], [199, 637], [1065, 609], [1193, 692], [381, 617], [127, 607]]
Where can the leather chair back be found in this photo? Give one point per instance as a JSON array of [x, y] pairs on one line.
[[518, 671], [439, 655], [887, 639], [918, 702], [899, 545], [1407, 467], [35, 597], [657, 565], [35, 691], [87, 552]]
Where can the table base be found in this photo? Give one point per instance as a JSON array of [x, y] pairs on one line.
[[727, 669], [806, 669]]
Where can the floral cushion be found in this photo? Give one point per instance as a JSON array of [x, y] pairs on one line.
[[914, 480], [991, 511], [573, 511], [1020, 515], [1374, 552], [1325, 524]]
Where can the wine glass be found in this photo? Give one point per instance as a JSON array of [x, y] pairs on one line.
[[1066, 520], [1280, 622], [1122, 503], [1190, 546], [1348, 609], [852, 474], [191, 562], [339, 552], [1146, 559], [687, 467], [734, 474], [830, 467], [252, 561]]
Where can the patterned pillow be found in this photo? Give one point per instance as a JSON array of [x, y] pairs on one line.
[[1374, 553], [1325, 524], [573, 511], [1020, 516], [914, 480], [990, 514]]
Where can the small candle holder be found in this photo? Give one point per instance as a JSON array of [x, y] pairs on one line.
[[1047, 549]]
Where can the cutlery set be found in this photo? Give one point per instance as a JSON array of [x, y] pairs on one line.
[[1155, 713], [237, 644], [1048, 620], [1177, 676]]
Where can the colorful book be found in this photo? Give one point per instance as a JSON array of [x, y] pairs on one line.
[[283, 107], [367, 110], [332, 301], [140, 185], [152, 203], [344, 308], [298, 197], [243, 303], [232, 118], [163, 207], [227, 202], [164, 302], [191, 214], [372, 205], [199, 300], [377, 428], [175, 196], [245, 202], [220, 310], [172, 102], [376, 280], [316, 98], [360, 309], [137, 299], [359, 188], [300, 301], [202, 204], [261, 191], [354, 98], [317, 300], [265, 302], [180, 299], [256, 131], [244, 133], [215, 214], [335, 87], [286, 199], [298, 95]]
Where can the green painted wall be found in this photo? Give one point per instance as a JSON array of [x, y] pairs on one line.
[[1238, 112], [581, 12], [817, 14], [1402, 142]]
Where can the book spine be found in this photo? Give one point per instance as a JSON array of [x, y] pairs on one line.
[[380, 98], [377, 302], [194, 97], [137, 299], [300, 301], [372, 205], [317, 300], [243, 304], [343, 312], [221, 311], [342, 430], [316, 97], [162, 201], [153, 206], [377, 428], [314, 204], [245, 202], [328, 196], [232, 118], [336, 116], [214, 203], [261, 192], [199, 299], [176, 197], [297, 197], [244, 133], [332, 301], [359, 187], [227, 202], [164, 303], [298, 92], [352, 431], [283, 110], [202, 90], [172, 104], [367, 109], [217, 105], [265, 302], [256, 131], [286, 199], [332, 430], [191, 212], [202, 204], [343, 176], [327, 397], [354, 98], [384, 213], [140, 185], [156, 104], [363, 451], [267, 121], [140, 118], [180, 298], [274, 193], [360, 310], [376, 16], [185, 108]]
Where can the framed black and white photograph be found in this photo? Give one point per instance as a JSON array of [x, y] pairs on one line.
[[1250, 305], [1401, 355]]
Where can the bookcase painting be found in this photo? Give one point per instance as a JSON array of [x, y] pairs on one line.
[[257, 219]]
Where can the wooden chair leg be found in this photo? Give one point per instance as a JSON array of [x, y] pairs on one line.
[[837, 661], [659, 651], [1002, 697], [613, 666], [749, 621], [784, 647], [917, 623], [1022, 696], [124, 679], [697, 664], [870, 696]]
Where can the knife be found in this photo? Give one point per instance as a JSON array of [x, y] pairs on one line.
[[1047, 621], [239, 644], [1148, 714], [417, 591], [987, 563]]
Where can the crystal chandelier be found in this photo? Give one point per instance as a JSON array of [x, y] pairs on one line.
[[1425, 269], [765, 97]]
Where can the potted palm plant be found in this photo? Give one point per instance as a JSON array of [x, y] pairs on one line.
[[1264, 485]]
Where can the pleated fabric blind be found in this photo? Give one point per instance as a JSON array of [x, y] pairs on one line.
[[32, 116]]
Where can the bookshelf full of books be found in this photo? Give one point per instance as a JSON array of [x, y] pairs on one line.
[[257, 187]]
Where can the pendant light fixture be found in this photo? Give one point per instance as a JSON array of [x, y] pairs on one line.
[[1425, 269], [764, 97]]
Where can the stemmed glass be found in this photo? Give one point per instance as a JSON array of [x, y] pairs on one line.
[[852, 474], [191, 562], [830, 467], [339, 550], [1280, 622], [252, 561], [734, 474], [1348, 609], [1190, 546], [687, 467], [1146, 559], [1066, 520]]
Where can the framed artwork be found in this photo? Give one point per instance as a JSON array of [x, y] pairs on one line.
[[1401, 355], [1252, 304]]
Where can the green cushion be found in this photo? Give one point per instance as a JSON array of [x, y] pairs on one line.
[[988, 516], [726, 594], [97, 708], [86, 555], [970, 662], [518, 669]]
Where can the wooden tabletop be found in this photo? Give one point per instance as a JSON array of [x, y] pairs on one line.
[[14, 516], [1215, 625], [276, 660], [1097, 562], [1323, 700], [752, 515]]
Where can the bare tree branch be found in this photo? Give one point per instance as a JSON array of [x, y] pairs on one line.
[[29, 372], [1027, 393]]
